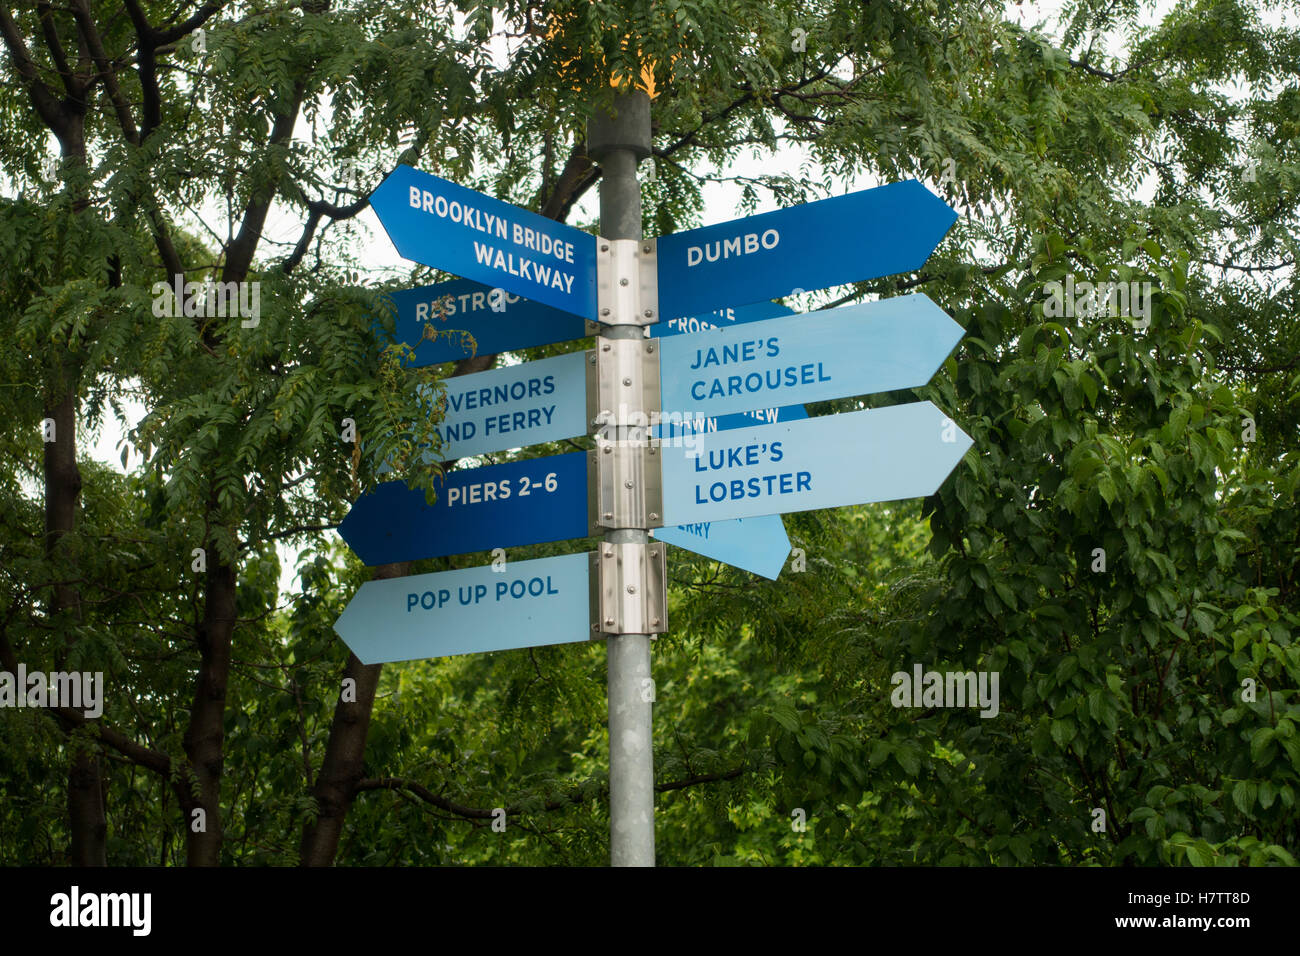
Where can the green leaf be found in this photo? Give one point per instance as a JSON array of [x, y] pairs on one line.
[[1200, 853], [1260, 742], [1243, 795]]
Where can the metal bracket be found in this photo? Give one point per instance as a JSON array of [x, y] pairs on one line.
[[629, 589], [625, 486], [627, 281], [623, 387]]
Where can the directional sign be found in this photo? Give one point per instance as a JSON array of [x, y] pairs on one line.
[[525, 604], [882, 454], [497, 506], [864, 235], [496, 320], [515, 406], [447, 226], [680, 428], [836, 353], [719, 319], [758, 545]]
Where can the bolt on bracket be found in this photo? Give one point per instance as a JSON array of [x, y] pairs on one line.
[[627, 281], [625, 486], [629, 589], [623, 388]]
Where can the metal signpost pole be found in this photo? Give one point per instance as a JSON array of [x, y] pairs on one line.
[[618, 143]]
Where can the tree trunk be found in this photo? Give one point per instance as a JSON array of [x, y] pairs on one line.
[[345, 753], [205, 735], [87, 823]]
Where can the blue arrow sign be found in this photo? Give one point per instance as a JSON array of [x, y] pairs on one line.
[[496, 320], [837, 353], [497, 506], [526, 604], [758, 545], [515, 406], [719, 319], [449, 227], [882, 454], [863, 235]]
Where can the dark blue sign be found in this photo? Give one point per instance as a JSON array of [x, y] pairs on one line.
[[864, 235], [496, 320], [447, 226], [497, 506], [719, 319]]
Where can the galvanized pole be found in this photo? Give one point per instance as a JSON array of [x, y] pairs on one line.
[[618, 143]]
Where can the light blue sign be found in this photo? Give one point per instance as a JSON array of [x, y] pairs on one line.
[[496, 320], [837, 353], [449, 227], [882, 454], [864, 235], [525, 604], [758, 545], [515, 406]]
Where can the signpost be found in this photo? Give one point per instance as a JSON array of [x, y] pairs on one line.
[[478, 509], [447, 226], [837, 353], [903, 451], [515, 406], [734, 451], [757, 545], [495, 320], [864, 235], [525, 604]]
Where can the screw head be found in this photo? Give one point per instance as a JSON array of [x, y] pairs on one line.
[[628, 483], [631, 589], [592, 360], [604, 311], [627, 381], [604, 247], [605, 347], [609, 622], [645, 248], [649, 348], [609, 551], [609, 516], [608, 449], [654, 516], [654, 621], [648, 313]]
